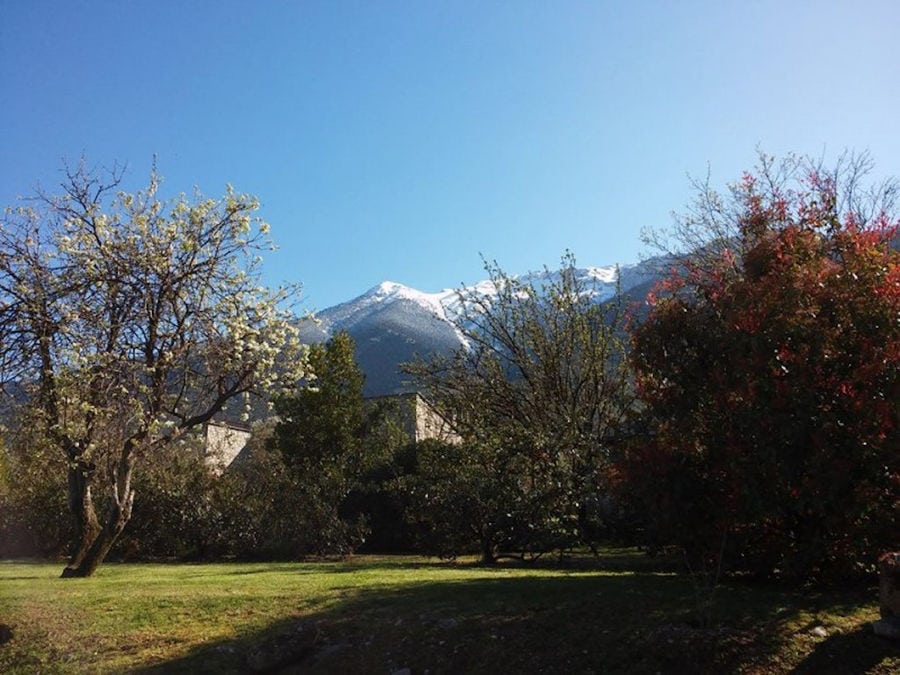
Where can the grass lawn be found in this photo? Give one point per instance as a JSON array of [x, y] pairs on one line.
[[383, 614]]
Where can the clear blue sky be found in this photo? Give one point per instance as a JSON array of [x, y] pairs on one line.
[[400, 140]]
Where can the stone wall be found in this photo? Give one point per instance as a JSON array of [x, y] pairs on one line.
[[223, 443]]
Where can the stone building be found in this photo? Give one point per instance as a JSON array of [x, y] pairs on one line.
[[418, 419], [224, 442]]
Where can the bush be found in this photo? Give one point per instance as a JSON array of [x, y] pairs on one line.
[[32, 497], [771, 379]]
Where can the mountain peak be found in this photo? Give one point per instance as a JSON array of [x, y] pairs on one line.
[[388, 289], [606, 275], [391, 291]]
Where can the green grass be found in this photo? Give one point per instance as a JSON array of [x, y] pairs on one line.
[[380, 614]]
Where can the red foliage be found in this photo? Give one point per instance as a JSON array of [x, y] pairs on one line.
[[773, 394]]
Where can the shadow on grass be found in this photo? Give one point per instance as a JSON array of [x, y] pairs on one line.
[[621, 613], [860, 651], [626, 562], [600, 622]]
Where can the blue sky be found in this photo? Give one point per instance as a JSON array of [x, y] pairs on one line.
[[401, 140]]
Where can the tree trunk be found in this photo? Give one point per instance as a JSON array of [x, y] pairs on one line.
[[118, 513], [81, 504], [488, 557]]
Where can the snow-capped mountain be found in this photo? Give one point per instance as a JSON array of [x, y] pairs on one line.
[[393, 324]]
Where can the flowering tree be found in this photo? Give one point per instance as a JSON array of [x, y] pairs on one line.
[[129, 321], [770, 372]]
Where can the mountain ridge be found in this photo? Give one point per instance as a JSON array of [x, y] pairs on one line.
[[392, 323]]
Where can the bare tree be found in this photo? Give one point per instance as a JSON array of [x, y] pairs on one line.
[[540, 390], [712, 221]]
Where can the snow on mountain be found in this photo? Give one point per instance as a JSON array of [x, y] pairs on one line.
[[390, 291], [393, 324], [449, 304]]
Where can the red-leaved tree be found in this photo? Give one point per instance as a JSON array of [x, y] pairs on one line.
[[769, 374]]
